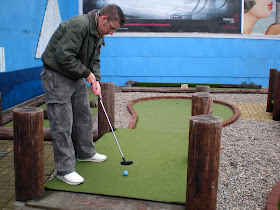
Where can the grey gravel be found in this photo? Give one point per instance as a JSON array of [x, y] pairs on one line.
[[249, 161]]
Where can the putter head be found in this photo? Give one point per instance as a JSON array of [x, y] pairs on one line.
[[127, 163]]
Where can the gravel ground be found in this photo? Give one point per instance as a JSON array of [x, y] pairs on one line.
[[249, 162]]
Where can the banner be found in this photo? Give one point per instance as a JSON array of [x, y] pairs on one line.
[[209, 16], [261, 17]]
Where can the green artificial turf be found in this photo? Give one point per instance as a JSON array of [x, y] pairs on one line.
[[158, 146], [171, 114], [158, 172]]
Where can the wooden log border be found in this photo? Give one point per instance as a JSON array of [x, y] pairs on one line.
[[192, 90]]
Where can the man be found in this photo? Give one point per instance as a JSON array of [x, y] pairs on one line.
[[72, 54]]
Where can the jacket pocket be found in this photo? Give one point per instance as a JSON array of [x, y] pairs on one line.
[[43, 72], [48, 79]]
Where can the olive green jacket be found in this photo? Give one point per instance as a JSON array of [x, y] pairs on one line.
[[74, 48]]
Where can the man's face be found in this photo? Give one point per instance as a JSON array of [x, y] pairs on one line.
[[106, 26]]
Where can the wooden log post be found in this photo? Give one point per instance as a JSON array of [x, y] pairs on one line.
[[108, 99], [1, 118], [202, 104], [93, 103], [270, 97], [203, 162], [45, 112], [202, 88], [276, 96], [28, 153]]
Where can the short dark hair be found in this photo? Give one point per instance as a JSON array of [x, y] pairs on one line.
[[113, 12], [248, 4]]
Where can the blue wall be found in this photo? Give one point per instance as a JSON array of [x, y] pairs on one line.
[[189, 60], [170, 58], [20, 27]]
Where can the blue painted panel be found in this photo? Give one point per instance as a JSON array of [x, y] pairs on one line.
[[204, 67], [121, 80], [22, 92], [190, 47], [20, 28], [20, 48], [20, 24], [68, 8], [18, 86], [22, 15], [10, 79], [202, 59]]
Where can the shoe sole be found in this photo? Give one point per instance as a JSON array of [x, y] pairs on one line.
[[71, 183], [95, 161]]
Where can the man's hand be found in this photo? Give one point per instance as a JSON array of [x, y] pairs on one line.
[[97, 89], [95, 85]]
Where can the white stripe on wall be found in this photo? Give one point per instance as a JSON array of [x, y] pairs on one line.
[[2, 60], [51, 21]]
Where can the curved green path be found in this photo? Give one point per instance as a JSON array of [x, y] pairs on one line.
[[158, 146], [171, 114]]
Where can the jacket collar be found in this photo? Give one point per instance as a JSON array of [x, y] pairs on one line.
[[93, 29]]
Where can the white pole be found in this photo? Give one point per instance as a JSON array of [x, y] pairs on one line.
[[278, 11]]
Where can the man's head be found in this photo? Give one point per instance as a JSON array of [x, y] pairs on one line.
[[111, 17]]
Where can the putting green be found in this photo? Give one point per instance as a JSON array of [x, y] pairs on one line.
[[158, 146], [171, 114]]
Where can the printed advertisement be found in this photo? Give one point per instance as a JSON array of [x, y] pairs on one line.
[[261, 17], [205, 16]]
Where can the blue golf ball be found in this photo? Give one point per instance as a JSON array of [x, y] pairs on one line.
[[125, 173]]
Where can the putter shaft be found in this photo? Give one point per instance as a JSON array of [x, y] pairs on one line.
[[110, 125]]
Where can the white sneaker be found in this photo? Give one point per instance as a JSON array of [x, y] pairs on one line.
[[95, 158], [73, 178]]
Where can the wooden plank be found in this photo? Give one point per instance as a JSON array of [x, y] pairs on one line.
[[6, 133], [35, 102]]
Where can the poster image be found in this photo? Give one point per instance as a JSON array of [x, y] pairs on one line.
[[261, 17], [212, 16]]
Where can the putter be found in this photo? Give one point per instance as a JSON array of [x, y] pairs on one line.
[[124, 162]]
